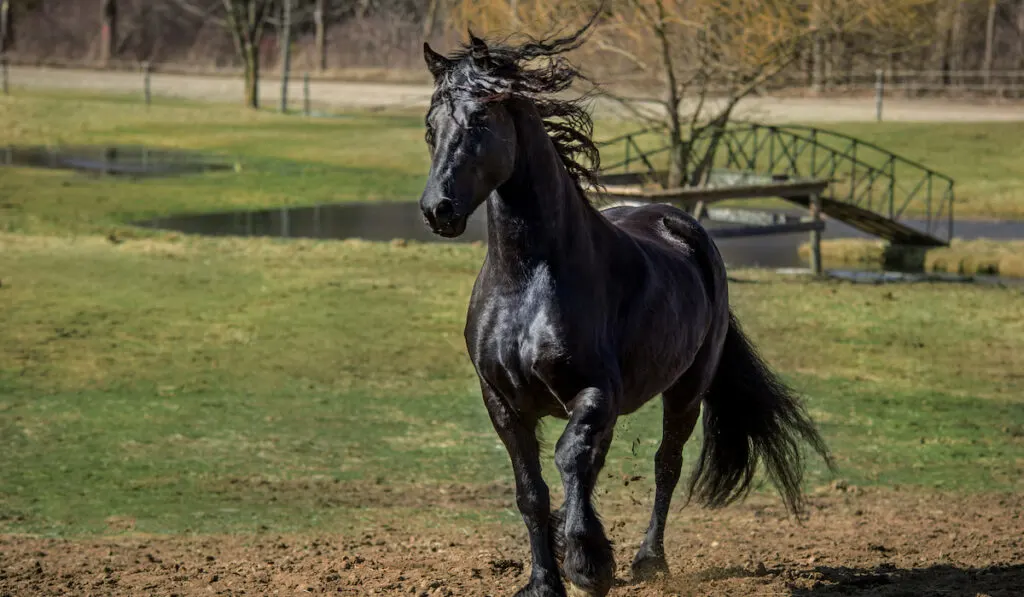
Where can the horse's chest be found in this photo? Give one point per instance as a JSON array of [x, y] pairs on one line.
[[521, 345], [524, 346]]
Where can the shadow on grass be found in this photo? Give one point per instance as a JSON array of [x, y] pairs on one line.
[[733, 280]]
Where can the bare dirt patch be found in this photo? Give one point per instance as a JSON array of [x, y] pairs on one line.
[[853, 542]]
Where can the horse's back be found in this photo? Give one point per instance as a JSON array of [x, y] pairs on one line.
[[662, 228]]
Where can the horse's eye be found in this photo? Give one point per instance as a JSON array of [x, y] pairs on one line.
[[429, 136]]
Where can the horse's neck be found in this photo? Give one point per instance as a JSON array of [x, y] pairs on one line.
[[537, 216]]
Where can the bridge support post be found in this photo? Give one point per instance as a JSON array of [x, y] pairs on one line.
[[815, 205], [699, 211]]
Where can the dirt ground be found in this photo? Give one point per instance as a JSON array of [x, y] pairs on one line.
[[852, 542]]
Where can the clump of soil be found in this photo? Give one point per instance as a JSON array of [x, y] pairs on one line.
[[852, 542]]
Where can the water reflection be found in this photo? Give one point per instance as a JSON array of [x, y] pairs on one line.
[[113, 160]]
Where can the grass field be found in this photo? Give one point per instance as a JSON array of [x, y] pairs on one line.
[[153, 383], [183, 382]]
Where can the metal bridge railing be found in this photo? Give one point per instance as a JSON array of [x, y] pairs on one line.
[[861, 173]]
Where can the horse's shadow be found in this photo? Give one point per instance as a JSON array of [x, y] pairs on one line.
[[890, 581], [885, 580]]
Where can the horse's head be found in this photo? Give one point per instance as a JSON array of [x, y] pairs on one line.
[[470, 133]]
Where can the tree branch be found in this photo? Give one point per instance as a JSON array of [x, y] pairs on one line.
[[202, 13], [602, 44]]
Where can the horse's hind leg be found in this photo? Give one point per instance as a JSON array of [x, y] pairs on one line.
[[680, 416], [681, 408]]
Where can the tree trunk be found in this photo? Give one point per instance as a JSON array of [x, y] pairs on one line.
[[251, 57], [321, 35], [990, 34], [677, 148], [108, 31], [286, 50], [847, 54], [678, 152], [956, 42], [944, 32], [818, 48], [831, 62], [818, 62], [6, 26]]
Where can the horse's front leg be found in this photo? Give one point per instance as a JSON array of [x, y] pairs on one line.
[[520, 439], [589, 564]]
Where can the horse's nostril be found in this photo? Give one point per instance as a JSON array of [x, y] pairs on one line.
[[445, 210]]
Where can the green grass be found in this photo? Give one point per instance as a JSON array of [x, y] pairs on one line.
[[222, 385]]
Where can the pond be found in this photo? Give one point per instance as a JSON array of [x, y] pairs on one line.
[[113, 160], [387, 221]]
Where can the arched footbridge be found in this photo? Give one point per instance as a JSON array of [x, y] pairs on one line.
[[868, 187]]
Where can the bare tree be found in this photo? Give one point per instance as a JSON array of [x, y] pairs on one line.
[[245, 21], [702, 58]]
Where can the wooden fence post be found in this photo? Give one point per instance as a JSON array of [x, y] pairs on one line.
[[146, 91], [305, 95], [879, 93]]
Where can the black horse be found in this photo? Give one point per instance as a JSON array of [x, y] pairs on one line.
[[586, 314]]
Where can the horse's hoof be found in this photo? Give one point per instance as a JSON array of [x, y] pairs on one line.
[[573, 590], [589, 566], [539, 590], [649, 567]]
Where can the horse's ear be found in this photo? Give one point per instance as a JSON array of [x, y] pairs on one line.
[[478, 51], [436, 63]]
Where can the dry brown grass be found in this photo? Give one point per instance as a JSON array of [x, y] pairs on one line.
[[973, 257]]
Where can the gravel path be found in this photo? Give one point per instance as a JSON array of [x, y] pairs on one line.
[[338, 94]]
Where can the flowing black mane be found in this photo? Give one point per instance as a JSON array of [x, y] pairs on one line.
[[533, 69]]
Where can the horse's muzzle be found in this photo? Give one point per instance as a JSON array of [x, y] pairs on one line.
[[443, 219]]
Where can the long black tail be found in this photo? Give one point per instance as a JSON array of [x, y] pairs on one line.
[[750, 416]]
